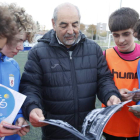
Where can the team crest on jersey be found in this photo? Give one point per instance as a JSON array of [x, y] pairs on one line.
[[11, 80]]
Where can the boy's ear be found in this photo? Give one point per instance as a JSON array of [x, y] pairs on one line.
[[135, 34]]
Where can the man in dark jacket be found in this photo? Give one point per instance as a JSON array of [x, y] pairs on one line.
[[63, 74]]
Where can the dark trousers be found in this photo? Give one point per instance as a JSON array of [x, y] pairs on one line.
[[110, 137]]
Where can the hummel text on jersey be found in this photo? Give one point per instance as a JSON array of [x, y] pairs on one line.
[[124, 75]]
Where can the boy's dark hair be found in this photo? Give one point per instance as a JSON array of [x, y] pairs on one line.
[[122, 19], [137, 30]]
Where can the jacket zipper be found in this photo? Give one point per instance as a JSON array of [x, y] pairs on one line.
[[73, 75]]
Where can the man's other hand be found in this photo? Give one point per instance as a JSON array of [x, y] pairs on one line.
[[113, 100], [34, 117]]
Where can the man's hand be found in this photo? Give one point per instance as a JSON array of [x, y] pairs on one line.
[[124, 95], [6, 132], [136, 97], [23, 131], [34, 117], [113, 100], [136, 113]]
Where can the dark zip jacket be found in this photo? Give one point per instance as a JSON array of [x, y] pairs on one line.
[[65, 86]]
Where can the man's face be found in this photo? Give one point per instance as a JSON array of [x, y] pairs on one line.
[[15, 46], [124, 40], [67, 25], [3, 41]]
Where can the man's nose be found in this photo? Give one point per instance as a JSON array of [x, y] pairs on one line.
[[70, 30]]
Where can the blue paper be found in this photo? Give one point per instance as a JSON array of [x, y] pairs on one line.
[[7, 103]]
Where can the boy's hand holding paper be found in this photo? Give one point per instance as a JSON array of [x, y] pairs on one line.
[[126, 94], [25, 128], [135, 109], [6, 132], [136, 97]]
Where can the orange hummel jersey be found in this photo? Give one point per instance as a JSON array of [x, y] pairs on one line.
[[123, 123]]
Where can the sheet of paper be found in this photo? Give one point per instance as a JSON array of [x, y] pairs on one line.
[[65, 126], [96, 120], [133, 91], [93, 124], [136, 108], [10, 104], [13, 127]]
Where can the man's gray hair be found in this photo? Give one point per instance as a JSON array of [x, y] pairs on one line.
[[57, 8]]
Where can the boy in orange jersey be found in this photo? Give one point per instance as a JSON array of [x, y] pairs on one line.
[[122, 61]]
